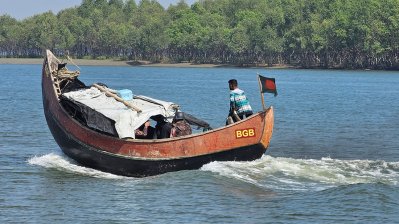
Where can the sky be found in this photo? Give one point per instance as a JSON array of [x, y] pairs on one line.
[[22, 9]]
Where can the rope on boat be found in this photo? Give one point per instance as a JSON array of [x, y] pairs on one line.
[[70, 59], [66, 74]]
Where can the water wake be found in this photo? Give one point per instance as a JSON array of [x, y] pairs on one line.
[[62, 163], [270, 172], [305, 174]]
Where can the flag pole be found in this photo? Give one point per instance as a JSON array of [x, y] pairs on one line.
[[261, 94]]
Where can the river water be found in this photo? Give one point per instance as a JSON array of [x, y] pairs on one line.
[[333, 157]]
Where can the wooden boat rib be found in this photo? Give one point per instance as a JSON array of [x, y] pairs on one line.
[[242, 141]]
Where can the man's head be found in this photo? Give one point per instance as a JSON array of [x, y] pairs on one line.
[[233, 84], [178, 116]]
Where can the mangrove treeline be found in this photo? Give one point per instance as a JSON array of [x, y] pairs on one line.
[[353, 34]]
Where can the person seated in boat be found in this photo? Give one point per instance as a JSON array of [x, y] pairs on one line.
[[145, 131], [180, 126], [162, 128], [239, 104]]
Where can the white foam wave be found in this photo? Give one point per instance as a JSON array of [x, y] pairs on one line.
[[305, 174], [62, 163]]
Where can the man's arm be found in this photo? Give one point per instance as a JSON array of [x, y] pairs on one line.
[[232, 102]]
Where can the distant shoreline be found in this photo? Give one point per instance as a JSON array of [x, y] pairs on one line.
[[107, 62]]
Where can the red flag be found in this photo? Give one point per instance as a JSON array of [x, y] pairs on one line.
[[268, 85]]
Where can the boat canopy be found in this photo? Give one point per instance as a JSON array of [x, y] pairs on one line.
[[126, 119]]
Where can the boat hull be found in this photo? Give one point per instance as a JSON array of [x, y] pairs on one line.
[[120, 165]]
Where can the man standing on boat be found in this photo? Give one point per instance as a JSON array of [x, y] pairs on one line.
[[239, 104]]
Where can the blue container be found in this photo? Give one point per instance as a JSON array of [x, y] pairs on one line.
[[125, 94]]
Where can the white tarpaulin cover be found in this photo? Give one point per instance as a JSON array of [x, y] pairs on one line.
[[126, 119]]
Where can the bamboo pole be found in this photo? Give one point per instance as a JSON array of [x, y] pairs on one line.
[[261, 94], [108, 93]]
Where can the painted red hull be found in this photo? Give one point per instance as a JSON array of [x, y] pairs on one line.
[[243, 141]]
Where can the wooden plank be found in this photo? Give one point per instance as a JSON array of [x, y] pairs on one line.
[[108, 93]]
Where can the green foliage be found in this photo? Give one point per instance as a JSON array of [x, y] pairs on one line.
[[306, 33]]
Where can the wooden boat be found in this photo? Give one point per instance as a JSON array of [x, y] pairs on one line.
[[245, 140]]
